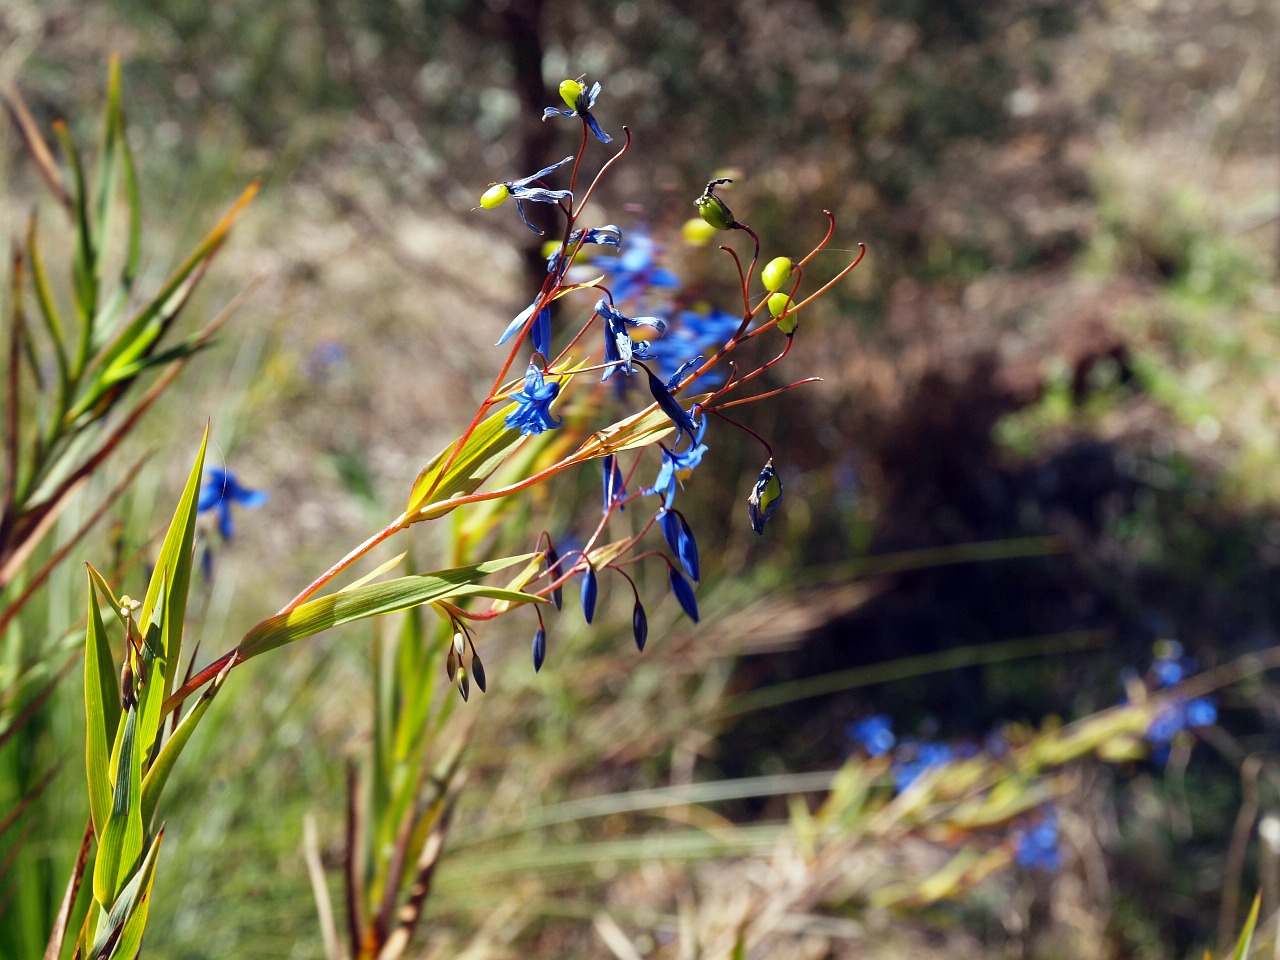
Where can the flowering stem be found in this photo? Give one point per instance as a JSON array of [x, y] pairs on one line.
[[743, 427]]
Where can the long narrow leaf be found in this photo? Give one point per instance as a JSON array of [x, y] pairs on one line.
[[120, 932], [172, 576], [120, 843], [143, 329], [102, 713], [375, 599]]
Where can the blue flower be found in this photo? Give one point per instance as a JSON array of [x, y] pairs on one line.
[[522, 190], [684, 593], [580, 101], [693, 334], [680, 539], [915, 759], [540, 334], [533, 413], [1037, 848], [614, 485], [619, 348], [873, 734], [220, 490], [676, 466], [635, 270], [588, 595], [608, 235]]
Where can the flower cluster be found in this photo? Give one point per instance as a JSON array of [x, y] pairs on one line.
[[1178, 717], [648, 339]]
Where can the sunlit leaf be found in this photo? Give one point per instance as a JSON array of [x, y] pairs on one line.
[[374, 599], [102, 713]]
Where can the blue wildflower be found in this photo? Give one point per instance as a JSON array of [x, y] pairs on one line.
[[639, 625], [608, 235], [220, 490], [916, 759], [636, 270], [676, 466], [540, 333], [873, 734], [588, 593], [522, 190], [580, 101], [1037, 848], [693, 334], [614, 486], [619, 348], [684, 593], [533, 412], [680, 539], [1202, 712], [539, 647]]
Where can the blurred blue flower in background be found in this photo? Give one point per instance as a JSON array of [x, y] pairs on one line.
[[915, 758], [694, 333], [1037, 848], [873, 734], [636, 269], [220, 490]]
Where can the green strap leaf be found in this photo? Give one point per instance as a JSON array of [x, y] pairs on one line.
[[120, 931], [102, 713], [375, 599], [166, 599], [486, 449], [121, 842]]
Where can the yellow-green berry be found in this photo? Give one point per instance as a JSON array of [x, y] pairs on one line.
[[495, 196], [697, 232], [779, 304], [776, 273], [570, 91]]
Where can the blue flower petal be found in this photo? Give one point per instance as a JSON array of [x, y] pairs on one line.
[[684, 593]]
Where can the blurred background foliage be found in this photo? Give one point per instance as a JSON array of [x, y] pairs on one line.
[[1062, 342]]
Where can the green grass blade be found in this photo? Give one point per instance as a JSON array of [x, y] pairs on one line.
[[121, 842], [1246, 934], [155, 667], [107, 166], [375, 599], [82, 266], [172, 577], [49, 313], [102, 713]]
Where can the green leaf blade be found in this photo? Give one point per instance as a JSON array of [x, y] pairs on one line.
[[102, 713]]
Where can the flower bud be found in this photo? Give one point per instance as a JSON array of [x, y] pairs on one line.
[[495, 196], [570, 91], [765, 498], [776, 273]]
